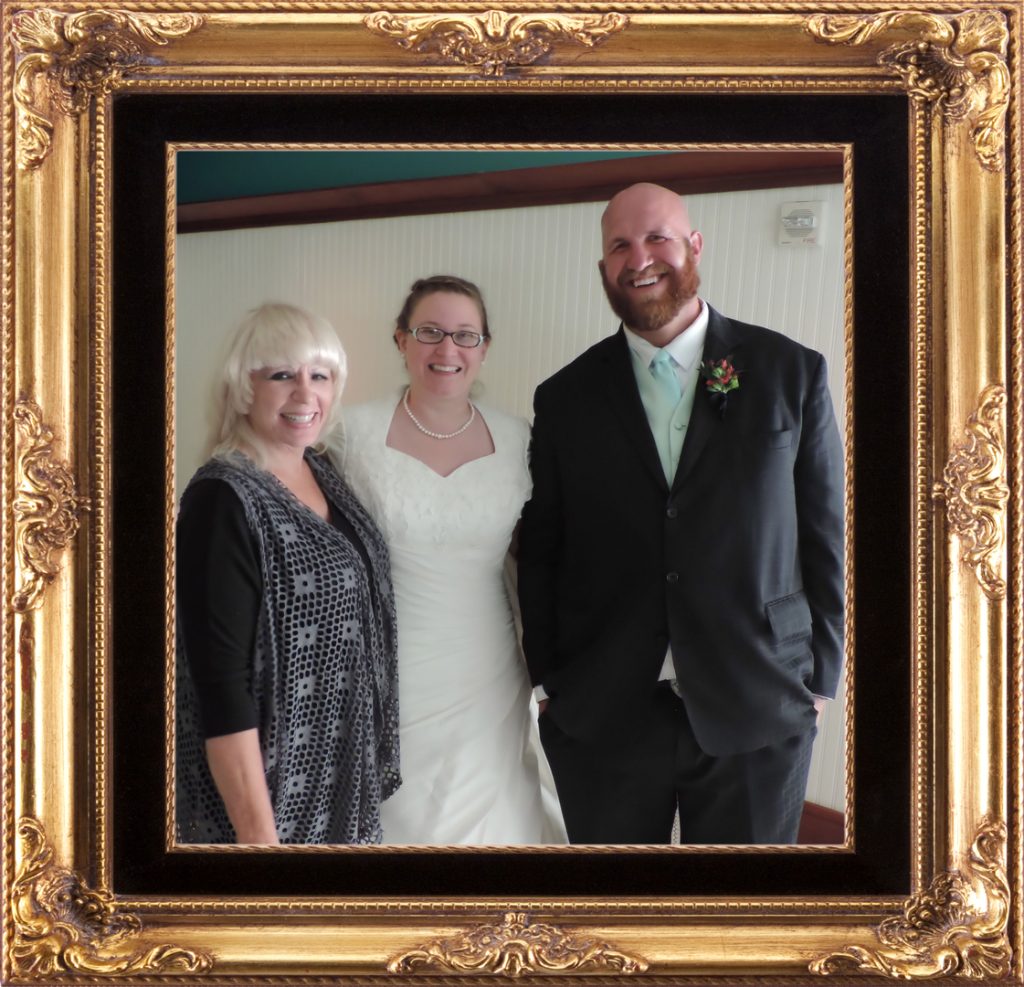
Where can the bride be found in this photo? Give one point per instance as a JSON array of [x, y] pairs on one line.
[[446, 480]]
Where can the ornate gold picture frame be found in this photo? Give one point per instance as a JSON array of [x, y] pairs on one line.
[[84, 901]]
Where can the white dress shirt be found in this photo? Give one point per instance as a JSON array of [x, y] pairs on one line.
[[686, 350]]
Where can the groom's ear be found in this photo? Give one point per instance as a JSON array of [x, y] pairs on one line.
[[697, 242], [600, 267]]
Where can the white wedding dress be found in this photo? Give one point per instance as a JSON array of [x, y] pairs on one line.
[[471, 762]]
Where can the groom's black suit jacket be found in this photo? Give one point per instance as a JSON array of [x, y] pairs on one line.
[[738, 563]]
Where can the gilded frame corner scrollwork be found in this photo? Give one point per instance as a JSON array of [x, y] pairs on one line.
[[64, 928], [957, 61], [957, 68], [73, 57], [958, 926]]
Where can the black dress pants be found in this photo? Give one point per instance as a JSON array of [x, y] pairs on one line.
[[627, 791]]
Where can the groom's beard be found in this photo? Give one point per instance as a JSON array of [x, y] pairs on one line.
[[655, 313]]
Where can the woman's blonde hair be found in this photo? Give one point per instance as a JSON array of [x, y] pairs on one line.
[[273, 335]]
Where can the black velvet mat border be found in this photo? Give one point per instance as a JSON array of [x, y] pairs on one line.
[[877, 127]]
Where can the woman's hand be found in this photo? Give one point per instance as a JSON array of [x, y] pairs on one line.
[[237, 768]]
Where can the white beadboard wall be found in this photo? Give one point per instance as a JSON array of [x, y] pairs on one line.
[[537, 268]]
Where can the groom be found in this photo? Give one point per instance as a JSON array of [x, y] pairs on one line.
[[681, 557]]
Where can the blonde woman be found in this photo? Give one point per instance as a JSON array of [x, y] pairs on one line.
[[287, 693]]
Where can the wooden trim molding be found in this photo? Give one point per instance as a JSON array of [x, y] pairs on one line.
[[687, 172], [820, 825]]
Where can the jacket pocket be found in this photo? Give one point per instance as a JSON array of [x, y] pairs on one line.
[[760, 438], [789, 617]]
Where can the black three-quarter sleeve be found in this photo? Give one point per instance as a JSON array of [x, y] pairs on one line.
[[219, 593]]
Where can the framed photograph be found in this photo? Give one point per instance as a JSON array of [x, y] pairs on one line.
[[921, 109], [347, 230]]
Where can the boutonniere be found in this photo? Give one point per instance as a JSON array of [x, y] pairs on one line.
[[720, 378]]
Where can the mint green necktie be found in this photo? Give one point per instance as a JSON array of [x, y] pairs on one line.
[[663, 371]]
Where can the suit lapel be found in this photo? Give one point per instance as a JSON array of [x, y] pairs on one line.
[[624, 401], [721, 341]]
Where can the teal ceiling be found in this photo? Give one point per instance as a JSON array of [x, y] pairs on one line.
[[205, 176]]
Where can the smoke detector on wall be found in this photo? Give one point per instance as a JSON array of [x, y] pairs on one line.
[[801, 222]]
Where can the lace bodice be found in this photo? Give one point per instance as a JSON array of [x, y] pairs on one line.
[[471, 512]]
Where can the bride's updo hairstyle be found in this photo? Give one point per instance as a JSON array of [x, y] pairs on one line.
[[432, 285], [273, 335]]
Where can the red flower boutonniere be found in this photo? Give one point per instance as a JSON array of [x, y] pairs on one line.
[[720, 378]]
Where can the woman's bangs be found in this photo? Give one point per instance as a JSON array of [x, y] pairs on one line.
[[292, 346]]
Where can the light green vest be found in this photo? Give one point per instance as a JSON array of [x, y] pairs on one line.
[[668, 424]]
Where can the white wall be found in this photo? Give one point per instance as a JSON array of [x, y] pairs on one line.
[[537, 268]]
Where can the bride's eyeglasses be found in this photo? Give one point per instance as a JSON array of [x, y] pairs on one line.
[[432, 335]]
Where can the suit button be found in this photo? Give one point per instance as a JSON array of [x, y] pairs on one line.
[[672, 577], [672, 512]]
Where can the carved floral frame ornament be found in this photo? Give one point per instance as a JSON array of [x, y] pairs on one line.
[[957, 67]]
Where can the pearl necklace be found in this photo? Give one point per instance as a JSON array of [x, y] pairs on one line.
[[437, 435]]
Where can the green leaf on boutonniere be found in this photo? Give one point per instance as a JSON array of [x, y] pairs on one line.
[[720, 378]]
